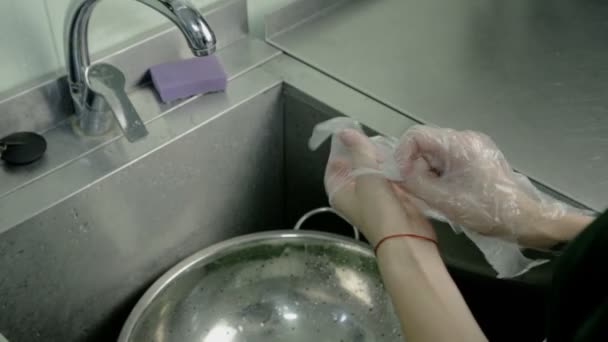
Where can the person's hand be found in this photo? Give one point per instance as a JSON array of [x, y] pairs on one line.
[[463, 175], [376, 206], [412, 270]]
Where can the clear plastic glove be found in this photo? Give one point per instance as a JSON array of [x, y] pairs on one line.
[[412, 269], [458, 177], [340, 171], [463, 175], [357, 186]]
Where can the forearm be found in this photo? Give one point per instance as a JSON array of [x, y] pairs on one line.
[[563, 229], [543, 226], [543, 230], [426, 298]]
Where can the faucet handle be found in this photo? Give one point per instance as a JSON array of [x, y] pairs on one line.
[[109, 82]]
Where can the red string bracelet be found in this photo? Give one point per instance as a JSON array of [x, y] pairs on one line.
[[415, 236]]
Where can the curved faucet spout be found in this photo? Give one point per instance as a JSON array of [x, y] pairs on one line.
[[197, 32], [182, 13], [92, 106]]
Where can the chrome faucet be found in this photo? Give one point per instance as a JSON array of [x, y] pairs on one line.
[[98, 89]]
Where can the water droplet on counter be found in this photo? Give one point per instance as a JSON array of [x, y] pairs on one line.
[[74, 214], [84, 228]]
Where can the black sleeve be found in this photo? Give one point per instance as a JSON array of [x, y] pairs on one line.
[[578, 302]]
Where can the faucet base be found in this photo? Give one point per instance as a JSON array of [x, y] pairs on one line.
[[93, 124], [97, 89]]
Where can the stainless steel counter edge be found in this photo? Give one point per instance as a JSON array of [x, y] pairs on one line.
[[343, 99], [297, 13], [65, 146], [530, 77], [328, 92], [118, 153], [45, 102]]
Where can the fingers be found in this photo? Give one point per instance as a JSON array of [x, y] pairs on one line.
[[373, 190], [426, 139], [422, 142], [364, 155], [345, 202], [422, 181], [362, 150], [340, 188], [353, 150], [337, 175], [423, 156], [370, 201]]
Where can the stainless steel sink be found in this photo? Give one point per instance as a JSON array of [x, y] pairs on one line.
[[80, 242], [84, 232], [79, 245], [72, 271]]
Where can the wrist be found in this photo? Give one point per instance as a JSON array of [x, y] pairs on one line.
[[382, 233], [403, 236], [411, 249], [421, 229], [382, 226]]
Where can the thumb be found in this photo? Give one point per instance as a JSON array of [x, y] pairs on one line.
[[361, 148]]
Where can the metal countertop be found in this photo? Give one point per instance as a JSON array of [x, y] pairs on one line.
[[533, 75]]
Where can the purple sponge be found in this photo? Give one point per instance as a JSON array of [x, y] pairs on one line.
[[177, 80]]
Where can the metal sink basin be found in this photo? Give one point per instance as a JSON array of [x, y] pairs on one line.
[[81, 244], [84, 232]]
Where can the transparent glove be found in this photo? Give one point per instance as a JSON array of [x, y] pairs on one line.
[[459, 177], [357, 185], [340, 171], [463, 175]]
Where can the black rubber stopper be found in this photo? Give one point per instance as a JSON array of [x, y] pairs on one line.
[[22, 148]]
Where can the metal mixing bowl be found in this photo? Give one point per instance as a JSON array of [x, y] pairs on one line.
[[271, 286]]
